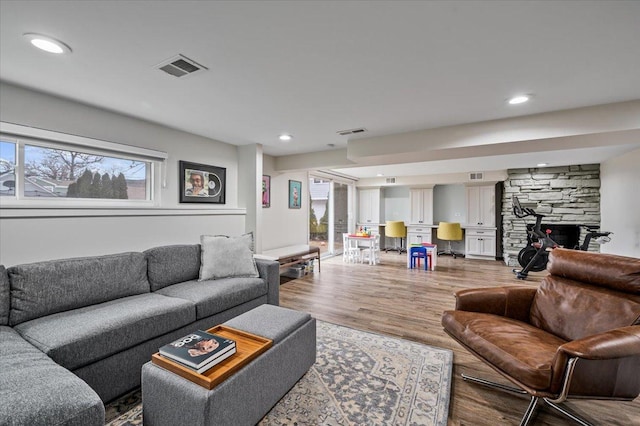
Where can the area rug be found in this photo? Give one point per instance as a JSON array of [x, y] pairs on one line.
[[359, 378]]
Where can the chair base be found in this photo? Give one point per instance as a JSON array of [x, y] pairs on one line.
[[399, 249], [533, 404], [450, 252]]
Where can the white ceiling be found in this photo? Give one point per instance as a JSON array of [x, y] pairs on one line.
[[313, 68]]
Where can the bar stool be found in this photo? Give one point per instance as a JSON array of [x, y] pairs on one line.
[[416, 253]]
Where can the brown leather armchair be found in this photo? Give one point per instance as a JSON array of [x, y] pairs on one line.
[[576, 335]]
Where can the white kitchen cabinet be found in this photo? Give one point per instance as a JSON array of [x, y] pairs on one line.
[[370, 206], [418, 235], [480, 243], [421, 202], [481, 206]]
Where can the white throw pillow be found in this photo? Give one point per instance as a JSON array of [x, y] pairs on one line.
[[223, 256]]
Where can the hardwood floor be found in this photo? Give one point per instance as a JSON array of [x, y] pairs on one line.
[[391, 299]]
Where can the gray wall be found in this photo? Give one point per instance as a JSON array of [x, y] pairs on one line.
[[38, 234], [449, 203], [396, 203]]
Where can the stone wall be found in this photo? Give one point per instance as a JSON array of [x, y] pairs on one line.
[[565, 195]]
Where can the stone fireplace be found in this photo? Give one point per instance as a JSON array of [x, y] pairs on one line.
[[567, 195]]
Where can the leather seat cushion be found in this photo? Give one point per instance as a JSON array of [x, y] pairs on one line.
[[514, 347]]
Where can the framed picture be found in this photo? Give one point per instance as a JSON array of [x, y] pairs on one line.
[[200, 183], [266, 191], [295, 194]]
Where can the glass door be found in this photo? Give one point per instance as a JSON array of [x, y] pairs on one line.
[[340, 214], [329, 213]]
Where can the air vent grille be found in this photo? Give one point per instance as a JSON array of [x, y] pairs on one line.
[[391, 180], [476, 176], [180, 66], [351, 131]]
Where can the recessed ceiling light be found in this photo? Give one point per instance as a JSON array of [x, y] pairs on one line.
[[543, 164], [285, 137], [520, 99], [379, 174], [47, 43]]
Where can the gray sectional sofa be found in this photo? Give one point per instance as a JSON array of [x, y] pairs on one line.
[[74, 333]]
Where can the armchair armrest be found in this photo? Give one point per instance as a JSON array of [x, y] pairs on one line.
[[610, 359], [617, 343], [511, 302]]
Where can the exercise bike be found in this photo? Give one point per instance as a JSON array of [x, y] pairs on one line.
[[593, 233], [535, 255]]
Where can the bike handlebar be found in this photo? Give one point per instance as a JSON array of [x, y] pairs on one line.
[[520, 211]]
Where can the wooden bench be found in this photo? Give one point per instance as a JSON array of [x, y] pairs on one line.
[[291, 255]]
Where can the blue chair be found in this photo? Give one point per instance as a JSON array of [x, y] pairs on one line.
[[418, 253]]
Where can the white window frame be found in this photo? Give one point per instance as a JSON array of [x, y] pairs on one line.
[[23, 135]]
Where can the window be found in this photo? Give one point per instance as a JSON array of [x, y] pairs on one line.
[[7, 168], [61, 169], [51, 172]]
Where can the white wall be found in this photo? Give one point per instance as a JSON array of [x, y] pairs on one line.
[[283, 226], [620, 204], [57, 235], [250, 190]]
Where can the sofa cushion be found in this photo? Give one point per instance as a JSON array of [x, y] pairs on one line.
[[172, 264], [572, 310], [515, 347], [211, 297], [4, 296], [34, 390], [85, 335], [44, 288], [224, 256]]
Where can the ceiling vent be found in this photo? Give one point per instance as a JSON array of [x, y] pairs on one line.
[[351, 131], [180, 66], [476, 176], [391, 180]]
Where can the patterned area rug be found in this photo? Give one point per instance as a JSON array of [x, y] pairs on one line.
[[359, 378]]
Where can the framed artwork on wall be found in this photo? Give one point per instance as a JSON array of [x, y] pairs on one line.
[[266, 191], [295, 194], [200, 183]]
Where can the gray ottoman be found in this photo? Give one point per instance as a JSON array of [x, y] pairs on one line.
[[244, 398]]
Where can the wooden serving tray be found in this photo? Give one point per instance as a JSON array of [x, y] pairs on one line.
[[248, 347]]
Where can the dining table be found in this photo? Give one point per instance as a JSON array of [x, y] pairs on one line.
[[369, 239]]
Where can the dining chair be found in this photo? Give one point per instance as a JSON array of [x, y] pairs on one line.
[[372, 253], [350, 250]]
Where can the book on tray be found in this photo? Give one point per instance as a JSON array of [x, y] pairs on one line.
[[199, 350]]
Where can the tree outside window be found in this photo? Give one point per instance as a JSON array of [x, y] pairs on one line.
[[51, 172]]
